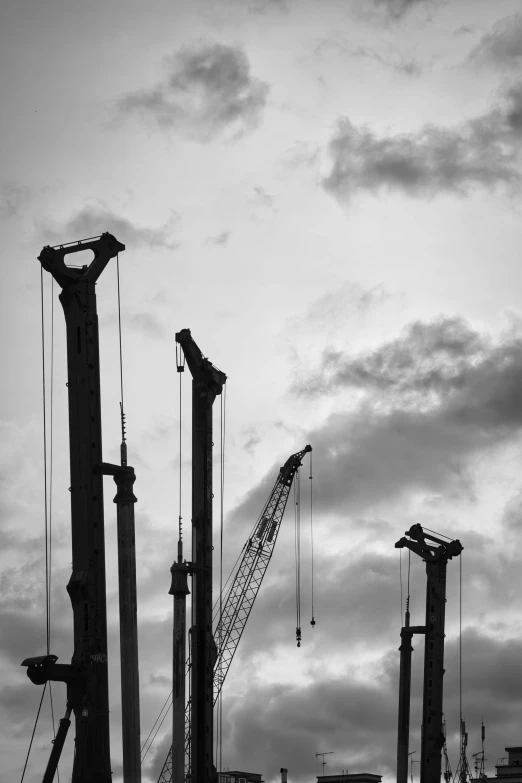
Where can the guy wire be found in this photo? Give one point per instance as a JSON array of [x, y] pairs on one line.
[[47, 630], [460, 640], [51, 497], [409, 567], [47, 496], [32, 735], [223, 440], [180, 527], [312, 536], [400, 577], [121, 352]]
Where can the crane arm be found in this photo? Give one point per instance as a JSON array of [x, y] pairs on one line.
[[247, 581], [256, 557]]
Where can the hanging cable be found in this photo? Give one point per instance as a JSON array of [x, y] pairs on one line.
[[51, 409], [297, 512], [400, 577], [46, 531], [312, 621], [32, 735], [180, 367], [219, 704], [408, 591], [460, 638], [47, 494], [157, 730], [123, 447], [167, 700], [223, 438]]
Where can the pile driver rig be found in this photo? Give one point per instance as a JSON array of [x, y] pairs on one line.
[[236, 604], [86, 677], [435, 552]]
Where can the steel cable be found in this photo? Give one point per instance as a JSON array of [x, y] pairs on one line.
[[32, 735]]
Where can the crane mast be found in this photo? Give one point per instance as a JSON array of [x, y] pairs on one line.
[[207, 384], [87, 674], [245, 586], [436, 553]]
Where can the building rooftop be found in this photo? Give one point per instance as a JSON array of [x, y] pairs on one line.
[[354, 777]]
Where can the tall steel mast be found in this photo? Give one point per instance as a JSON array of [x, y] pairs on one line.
[[87, 674], [207, 384], [435, 552]]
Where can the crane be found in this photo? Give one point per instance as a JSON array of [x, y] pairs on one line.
[[86, 676], [244, 587]]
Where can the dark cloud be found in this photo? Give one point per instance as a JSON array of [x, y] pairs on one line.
[[482, 153], [420, 407], [356, 717], [94, 220], [426, 357], [209, 92], [356, 720], [502, 46]]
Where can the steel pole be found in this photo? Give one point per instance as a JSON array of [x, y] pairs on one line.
[[179, 589], [432, 729], [130, 689], [202, 642], [403, 731]]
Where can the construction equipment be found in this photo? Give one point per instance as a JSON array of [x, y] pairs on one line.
[[207, 383], [435, 552], [244, 587], [87, 674]]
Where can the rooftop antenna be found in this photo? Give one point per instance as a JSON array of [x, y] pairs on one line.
[[323, 762]]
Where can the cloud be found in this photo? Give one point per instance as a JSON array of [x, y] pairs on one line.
[[209, 93], [92, 220], [356, 719], [220, 240], [397, 9], [409, 67], [13, 199], [356, 716], [415, 411], [333, 308], [502, 46], [427, 357], [482, 153]]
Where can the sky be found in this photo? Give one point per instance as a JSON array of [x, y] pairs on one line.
[[328, 194]]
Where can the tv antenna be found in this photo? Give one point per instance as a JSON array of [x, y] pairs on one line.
[[323, 762]]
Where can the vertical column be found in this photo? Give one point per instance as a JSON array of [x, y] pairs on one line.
[[202, 642], [130, 691], [432, 729], [86, 586], [179, 589], [403, 731]]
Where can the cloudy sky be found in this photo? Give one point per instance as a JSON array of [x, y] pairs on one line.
[[328, 194]]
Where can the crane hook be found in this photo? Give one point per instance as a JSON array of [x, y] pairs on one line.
[[298, 636]]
